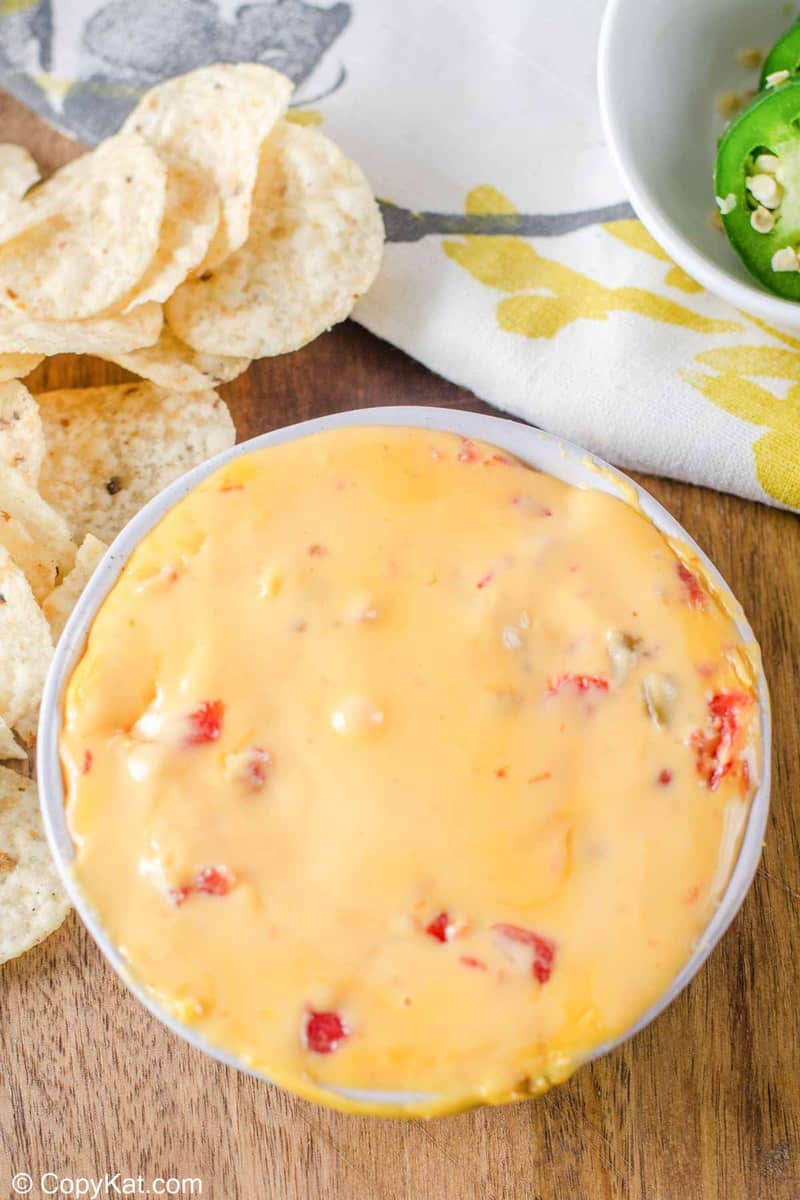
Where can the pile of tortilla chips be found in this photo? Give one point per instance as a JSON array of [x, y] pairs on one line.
[[208, 232]]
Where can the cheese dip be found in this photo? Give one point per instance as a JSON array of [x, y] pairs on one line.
[[392, 763]]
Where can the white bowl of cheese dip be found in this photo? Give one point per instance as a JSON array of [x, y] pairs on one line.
[[546, 454]]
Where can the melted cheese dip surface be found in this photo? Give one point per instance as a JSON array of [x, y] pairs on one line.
[[392, 763]]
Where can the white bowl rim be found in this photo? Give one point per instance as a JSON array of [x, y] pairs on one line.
[[611, 58], [540, 450]]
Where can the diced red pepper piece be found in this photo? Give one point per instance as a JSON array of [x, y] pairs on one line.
[[715, 745], [205, 723], [725, 707], [468, 453], [582, 682], [665, 777], [441, 927], [324, 1032], [695, 593], [214, 881], [249, 767], [477, 964], [257, 764], [86, 765], [230, 486], [499, 460], [544, 949], [484, 579], [317, 551]]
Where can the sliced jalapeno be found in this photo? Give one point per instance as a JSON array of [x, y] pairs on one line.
[[757, 182], [784, 56]]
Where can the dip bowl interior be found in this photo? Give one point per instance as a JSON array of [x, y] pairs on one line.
[[662, 66], [542, 451]]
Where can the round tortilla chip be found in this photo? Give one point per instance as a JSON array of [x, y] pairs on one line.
[[98, 335], [18, 170], [35, 561], [191, 217], [25, 649], [17, 366], [48, 530], [216, 118], [36, 537], [111, 449], [315, 245], [10, 748], [170, 363], [61, 601], [33, 902], [18, 173], [80, 241], [21, 433]]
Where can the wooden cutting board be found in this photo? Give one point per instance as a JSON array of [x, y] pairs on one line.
[[704, 1104]]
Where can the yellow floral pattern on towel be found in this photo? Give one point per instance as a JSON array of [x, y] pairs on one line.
[[548, 295], [733, 388], [544, 296], [634, 234]]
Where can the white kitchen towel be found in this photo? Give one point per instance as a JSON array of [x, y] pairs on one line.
[[514, 265]]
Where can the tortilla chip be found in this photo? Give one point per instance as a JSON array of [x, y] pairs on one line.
[[34, 560], [191, 217], [61, 601], [111, 449], [99, 335], [315, 244], [18, 172], [81, 240], [170, 363], [25, 649], [21, 433], [9, 746], [47, 528], [33, 902], [216, 118], [22, 451], [17, 366]]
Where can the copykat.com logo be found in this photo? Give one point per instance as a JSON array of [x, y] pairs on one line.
[[52, 1183]]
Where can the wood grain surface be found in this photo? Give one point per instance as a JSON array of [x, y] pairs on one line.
[[705, 1103]]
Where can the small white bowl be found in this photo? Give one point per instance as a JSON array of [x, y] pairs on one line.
[[661, 66], [540, 450]]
